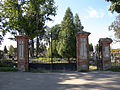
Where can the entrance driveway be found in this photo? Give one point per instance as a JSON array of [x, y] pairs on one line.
[[97, 80]]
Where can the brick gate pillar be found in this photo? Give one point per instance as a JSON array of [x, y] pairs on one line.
[[22, 52], [82, 50], [105, 52]]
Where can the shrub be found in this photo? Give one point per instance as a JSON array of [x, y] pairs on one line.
[[115, 69], [6, 69]]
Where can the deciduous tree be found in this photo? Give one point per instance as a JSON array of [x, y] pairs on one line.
[[115, 5], [26, 16], [115, 26]]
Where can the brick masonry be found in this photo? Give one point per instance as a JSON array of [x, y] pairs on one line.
[[82, 64], [106, 60], [23, 63]]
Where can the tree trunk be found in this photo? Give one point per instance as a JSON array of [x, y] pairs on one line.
[[37, 47], [32, 48]]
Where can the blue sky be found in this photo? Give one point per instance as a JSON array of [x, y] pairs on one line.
[[94, 16]]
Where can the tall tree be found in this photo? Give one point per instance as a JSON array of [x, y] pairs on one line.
[[115, 5], [90, 47], [55, 37], [97, 48], [5, 50], [26, 16], [115, 26], [78, 24], [67, 43]]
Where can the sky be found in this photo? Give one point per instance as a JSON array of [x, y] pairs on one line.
[[94, 16]]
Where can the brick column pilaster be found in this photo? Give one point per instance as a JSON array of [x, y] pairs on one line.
[[105, 52], [82, 50], [22, 52]]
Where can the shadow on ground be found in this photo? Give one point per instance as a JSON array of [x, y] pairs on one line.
[[100, 80]]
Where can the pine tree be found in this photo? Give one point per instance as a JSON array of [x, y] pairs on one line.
[[90, 47], [67, 43], [5, 50], [78, 24]]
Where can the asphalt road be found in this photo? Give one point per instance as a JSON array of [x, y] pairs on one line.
[[97, 80]]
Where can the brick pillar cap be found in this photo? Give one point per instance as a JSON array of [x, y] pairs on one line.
[[105, 40], [83, 32], [20, 36]]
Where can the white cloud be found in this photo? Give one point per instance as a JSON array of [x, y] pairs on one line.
[[93, 13]]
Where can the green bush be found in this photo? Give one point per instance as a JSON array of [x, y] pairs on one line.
[[6, 69], [115, 69], [5, 63]]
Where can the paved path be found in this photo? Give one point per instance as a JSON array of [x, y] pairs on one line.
[[102, 80]]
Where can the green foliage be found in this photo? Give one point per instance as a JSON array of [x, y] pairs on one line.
[[1, 54], [115, 26], [11, 50], [115, 69], [55, 31], [55, 37], [66, 46], [54, 49], [5, 49], [11, 16], [26, 16], [97, 48], [115, 5], [78, 24], [5, 63], [91, 47], [6, 69]]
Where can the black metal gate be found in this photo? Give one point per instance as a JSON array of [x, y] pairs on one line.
[[95, 59], [55, 64]]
